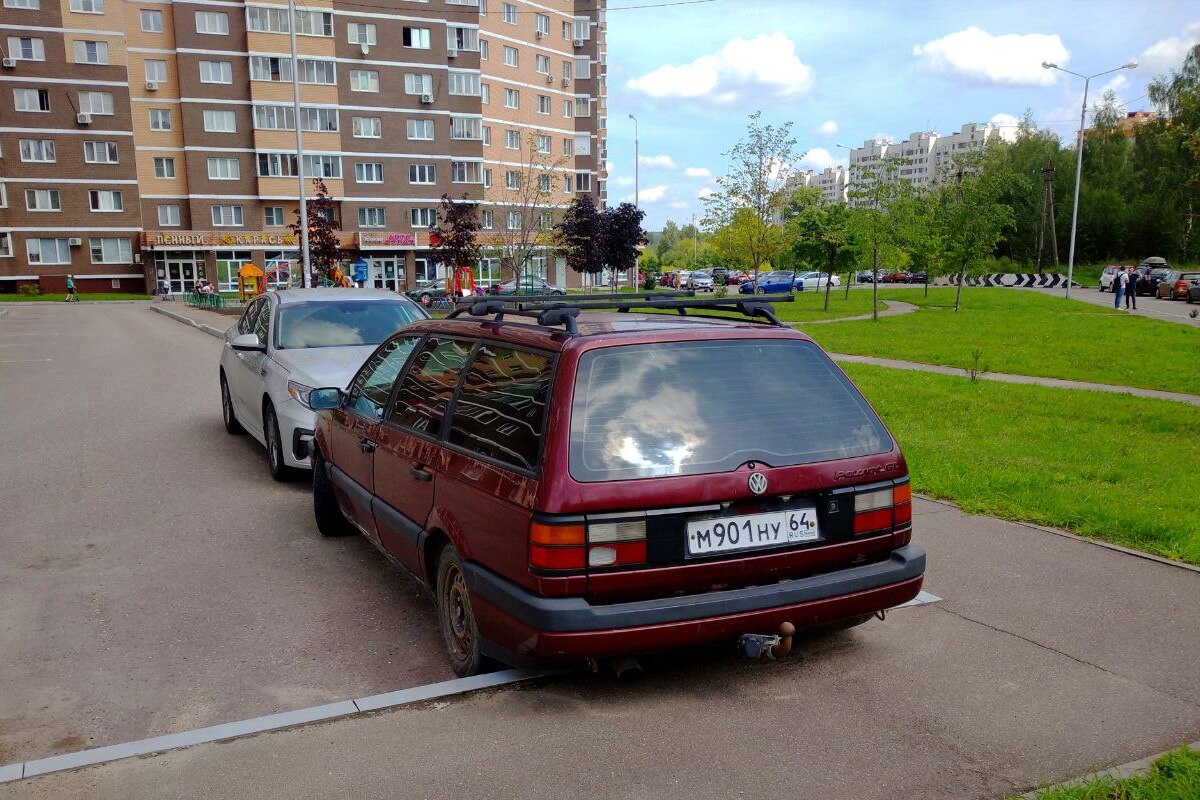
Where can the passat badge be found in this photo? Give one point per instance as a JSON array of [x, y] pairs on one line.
[[758, 482]]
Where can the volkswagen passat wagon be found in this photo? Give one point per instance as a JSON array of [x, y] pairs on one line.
[[568, 485]]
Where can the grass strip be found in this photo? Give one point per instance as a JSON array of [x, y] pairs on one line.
[[1027, 333], [1174, 776], [1119, 469]]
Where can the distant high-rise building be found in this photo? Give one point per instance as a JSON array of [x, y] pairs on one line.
[[924, 159]]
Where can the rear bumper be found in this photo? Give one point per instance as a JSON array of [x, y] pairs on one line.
[[527, 624]]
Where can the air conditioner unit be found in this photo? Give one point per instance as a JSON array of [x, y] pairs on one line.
[[549, 79], [452, 53], [427, 99], [9, 63], [579, 42], [540, 34], [151, 86], [566, 82], [73, 242], [83, 118]]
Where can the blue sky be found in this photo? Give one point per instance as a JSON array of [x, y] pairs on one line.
[[846, 72]]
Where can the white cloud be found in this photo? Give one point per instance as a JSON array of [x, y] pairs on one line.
[[697, 172], [1007, 59], [765, 67], [1168, 54], [653, 194], [1007, 124], [664, 161], [677, 204], [828, 128], [624, 180], [817, 159], [704, 192]]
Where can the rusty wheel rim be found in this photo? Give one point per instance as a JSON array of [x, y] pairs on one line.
[[460, 635]]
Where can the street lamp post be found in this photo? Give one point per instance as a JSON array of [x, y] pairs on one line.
[[1087, 79], [637, 199]]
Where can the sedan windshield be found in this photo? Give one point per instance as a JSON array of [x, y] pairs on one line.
[[341, 323]]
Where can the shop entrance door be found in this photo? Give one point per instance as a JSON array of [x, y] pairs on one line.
[[384, 272], [182, 271]]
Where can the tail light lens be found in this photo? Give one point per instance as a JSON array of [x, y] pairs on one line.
[[614, 544], [881, 509], [557, 546], [577, 546]]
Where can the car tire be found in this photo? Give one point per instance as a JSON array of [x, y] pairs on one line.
[[331, 522], [228, 415], [760, 290], [455, 617], [280, 471]]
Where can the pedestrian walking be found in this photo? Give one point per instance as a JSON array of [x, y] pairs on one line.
[[1131, 289], [71, 296], [1120, 282]]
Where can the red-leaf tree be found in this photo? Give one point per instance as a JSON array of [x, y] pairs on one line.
[[324, 247], [453, 237]]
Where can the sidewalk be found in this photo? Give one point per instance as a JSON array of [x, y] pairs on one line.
[[211, 322]]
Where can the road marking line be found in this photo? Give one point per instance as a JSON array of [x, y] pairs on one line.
[[270, 722], [27, 361], [921, 599]]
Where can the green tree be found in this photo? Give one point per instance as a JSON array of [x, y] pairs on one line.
[[747, 241], [1177, 99], [873, 228], [820, 234], [669, 237], [973, 218]]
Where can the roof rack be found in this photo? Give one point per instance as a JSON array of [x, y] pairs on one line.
[[550, 310]]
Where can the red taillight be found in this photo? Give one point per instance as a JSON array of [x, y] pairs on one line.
[[557, 546], [598, 544], [556, 557], [882, 509]]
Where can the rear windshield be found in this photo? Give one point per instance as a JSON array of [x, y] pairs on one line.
[[692, 408], [340, 323]]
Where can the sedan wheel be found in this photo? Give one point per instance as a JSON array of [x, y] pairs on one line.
[[280, 471], [455, 616], [232, 426], [330, 519], [760, 290]]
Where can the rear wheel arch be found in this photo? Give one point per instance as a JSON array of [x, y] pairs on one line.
[[431, 552]]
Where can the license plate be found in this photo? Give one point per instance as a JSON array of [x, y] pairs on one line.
[[752, 531]]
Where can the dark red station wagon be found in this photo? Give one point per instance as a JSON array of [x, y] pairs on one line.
[[580, 483]]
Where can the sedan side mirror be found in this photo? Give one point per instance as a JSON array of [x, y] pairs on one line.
[[248, 343], [324, 399]]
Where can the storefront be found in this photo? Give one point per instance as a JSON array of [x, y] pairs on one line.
[[182, 258]]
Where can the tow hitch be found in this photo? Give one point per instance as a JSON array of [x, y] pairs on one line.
[[769, 646]]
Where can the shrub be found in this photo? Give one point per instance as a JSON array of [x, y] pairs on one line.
[[29, 289]]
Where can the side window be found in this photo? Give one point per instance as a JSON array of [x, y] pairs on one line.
[[371, 386], [500, 412], [426, 390], [246, 323], [263, 321]]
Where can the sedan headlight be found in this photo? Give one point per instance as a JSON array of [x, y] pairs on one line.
[[300, 392]]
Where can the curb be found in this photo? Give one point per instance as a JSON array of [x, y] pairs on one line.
[[210, 330], [1119, 772]]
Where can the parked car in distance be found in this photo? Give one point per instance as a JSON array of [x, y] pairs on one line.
[[669, 279], [918, 277], [531, 286], [736, 278], [895, 277], [1107, 276], [779, 282], [814, 280], [1150, 279], [428, 291], [720, 275], [285, 344], [864, 276], [701, 281], [535, 474], [1193, 293], [1174, 285]]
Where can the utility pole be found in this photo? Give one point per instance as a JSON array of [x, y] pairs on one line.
[[637, 199], [305, 263], [1047, 208]]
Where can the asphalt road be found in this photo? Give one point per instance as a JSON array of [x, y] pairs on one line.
[[1147, 306], [206, 596]]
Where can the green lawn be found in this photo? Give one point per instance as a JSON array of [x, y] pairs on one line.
[[1114, 468], [1175, 776], [1027, 333], [59, 297]]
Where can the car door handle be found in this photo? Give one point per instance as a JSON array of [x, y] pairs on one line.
[[366, 445], [420, 474], [262, 371]]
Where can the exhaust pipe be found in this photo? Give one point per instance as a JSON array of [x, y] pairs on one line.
[[626, 668], [756, 646]]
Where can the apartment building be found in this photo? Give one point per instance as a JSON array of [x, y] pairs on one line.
[[400, 103], [924, 159]]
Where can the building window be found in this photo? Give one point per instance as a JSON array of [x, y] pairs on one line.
[[216, 121], [583, 28], [168, 216], [512, 179], [31, 100], [464, 83], [543, 143], [366, 127], [417, 38], [512, 98], [568, 147], [224, 169], [485, 93], [5, 244], [514, 220], [545, 184], [368, 172], [152, 20], [486, 132], [542, 64], [99, 103], [216, 72], [213, 22], [87, 6], [322, 166], [567, 71], [541, 25], [111, 250], [568, 184], [100, 152], [43, 200], [365, 80], [361, 33], [105, 200], [566, 29], [420, 129], [48, 251], [422, 173], [583, 67], [511, 59], [314, 23], [270, 68], [30, 5], [423, 217], [160, 119], [372, 217], [273, 216], [267, 20], [37, 150], [487, 177], [89, 52], [545, 220], [568, 108], [465, 128], [27, 48], [156, 70], [318, 119], [483, 50], [508, 13], [460, 38], [583, 106], [466, 172], [226, 216], [543, 104], [486, 219], [583, 182], [164, 167], [277, 165], [418, 84], [322, 73]]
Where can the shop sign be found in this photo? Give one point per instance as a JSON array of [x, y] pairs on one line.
[[386, 239], [217, 239]]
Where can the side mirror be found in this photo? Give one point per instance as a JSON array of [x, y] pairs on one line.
[[248, 343], [324, 399]]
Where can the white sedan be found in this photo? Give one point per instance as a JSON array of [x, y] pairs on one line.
[[288, 343], [814, 280]]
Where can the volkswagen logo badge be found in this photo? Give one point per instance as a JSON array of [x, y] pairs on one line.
[[758, 482]]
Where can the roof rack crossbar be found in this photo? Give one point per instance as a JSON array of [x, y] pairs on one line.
[[568, 307]]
